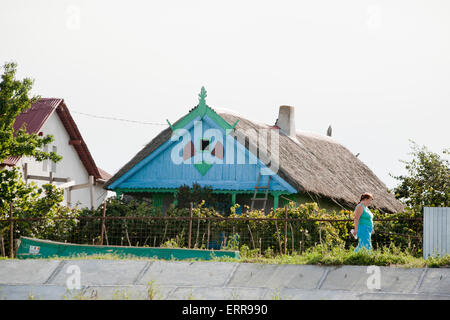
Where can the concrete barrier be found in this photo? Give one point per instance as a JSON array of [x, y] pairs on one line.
[[354, 278], [144, 279], [27, 272], [276, 276], [100, 272]]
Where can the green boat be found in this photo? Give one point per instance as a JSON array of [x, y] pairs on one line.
[[31, 248]]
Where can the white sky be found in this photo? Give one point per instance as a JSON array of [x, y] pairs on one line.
[[377, 71]]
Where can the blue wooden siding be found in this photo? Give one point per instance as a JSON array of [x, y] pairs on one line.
[[159, 171]]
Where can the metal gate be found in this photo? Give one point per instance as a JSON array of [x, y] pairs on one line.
[[436, 231]]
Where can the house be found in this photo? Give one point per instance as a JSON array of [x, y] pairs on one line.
[[77, 172], [234, 155]]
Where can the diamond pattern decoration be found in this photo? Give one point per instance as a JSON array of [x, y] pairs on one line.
[[203, 167], [188, 150], [218, 150]]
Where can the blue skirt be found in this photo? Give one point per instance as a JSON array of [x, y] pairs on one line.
[[364, 237]]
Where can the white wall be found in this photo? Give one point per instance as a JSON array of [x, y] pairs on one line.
[[70, 166]]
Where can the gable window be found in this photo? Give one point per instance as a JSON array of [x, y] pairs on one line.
[[204, 144]]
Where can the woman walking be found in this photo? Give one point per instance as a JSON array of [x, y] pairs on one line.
[[363, 222]]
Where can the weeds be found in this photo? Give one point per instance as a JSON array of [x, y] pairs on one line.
[[153, 293], [190, 296], [234, 295], [177, 242], [120, 295], [276, 294], [318, 255], [339, 255], [31, 296], [76, 295]]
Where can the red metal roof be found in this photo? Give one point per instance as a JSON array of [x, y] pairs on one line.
[[35, 117]]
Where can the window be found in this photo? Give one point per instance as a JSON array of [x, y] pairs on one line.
[[204, 144]]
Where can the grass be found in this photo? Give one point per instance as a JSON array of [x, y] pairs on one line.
[[319, 255], [335, 256], [276, 294], [153, 292]]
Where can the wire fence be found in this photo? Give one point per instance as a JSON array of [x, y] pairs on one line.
[[264, 235]]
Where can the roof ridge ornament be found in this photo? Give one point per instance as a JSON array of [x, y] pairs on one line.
[[202, 95], [199, 111], [202, 101]]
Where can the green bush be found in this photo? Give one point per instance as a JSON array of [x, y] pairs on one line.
[[339, 255], [246, 230]]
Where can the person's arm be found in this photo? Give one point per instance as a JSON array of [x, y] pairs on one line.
[[358, 213]]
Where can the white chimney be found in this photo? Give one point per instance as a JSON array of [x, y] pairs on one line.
[[286, 121]]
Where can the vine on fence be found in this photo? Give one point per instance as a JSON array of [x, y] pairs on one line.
[[291, 229]]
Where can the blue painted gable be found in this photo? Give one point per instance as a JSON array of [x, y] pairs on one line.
[[165, 167]]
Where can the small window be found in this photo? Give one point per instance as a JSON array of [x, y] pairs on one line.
[[204, 144]]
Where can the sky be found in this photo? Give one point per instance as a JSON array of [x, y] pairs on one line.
[[378, 72]]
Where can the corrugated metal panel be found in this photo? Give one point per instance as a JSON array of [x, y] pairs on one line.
[[436, 231]]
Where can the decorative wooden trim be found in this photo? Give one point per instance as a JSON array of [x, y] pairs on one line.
[[146, 160], [201, 110], [174, 190]]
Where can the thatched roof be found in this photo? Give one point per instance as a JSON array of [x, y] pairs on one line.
[[314, 164]]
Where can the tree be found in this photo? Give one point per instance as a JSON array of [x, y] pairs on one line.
[[428, 180], [25, 199], [196, 195], [13, 101]]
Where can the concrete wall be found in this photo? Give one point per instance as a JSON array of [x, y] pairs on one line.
[[109, 279]]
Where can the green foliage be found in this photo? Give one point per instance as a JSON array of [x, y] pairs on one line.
[[177, 242], [436, 262], [153, 292], [318, 255], [14, 100], [339, 255], [251, 229], [12, 188], [122, 208], [247, 253], [197, 194], [233, 242], [27, 200], [88, 230], [54, 221], [428, 180], [251, 232], [400, 231], [317, 231]]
